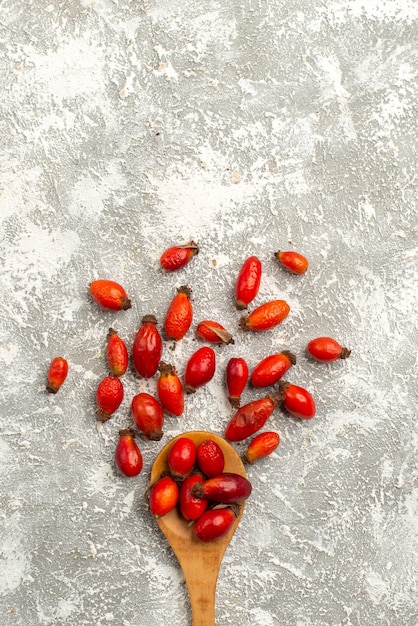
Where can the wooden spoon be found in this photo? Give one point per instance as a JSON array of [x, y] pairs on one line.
[[200, 561]]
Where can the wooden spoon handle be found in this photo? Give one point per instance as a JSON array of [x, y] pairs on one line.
[[201, 583]]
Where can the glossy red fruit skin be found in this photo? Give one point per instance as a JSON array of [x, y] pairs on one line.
[[164, 496], [327, 349], [128, 456], [293, 261], [191, 507], [109, 295], [109, 396], [297, 400], [236, 380], [210, 458], [266, 316], [57, 373], [116, 354], [251, 417], [147, 347], [213, 332], [179, 315], [261, 446], [248, 282], [170, 390], [177, 257], [182, 457], [226, 488], [200, 369], [148, 415], [214, 524], [272, 368]]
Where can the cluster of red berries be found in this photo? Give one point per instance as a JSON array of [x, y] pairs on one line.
[[148, 412]]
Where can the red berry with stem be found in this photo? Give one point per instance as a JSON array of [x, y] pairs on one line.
[[200, 369], [179, 315], [210, 458], [57, 373], [109, 295], [248, 282], [293, 261], [297, 400], [147, 347], [226, 488], [251, 417], [109, 395], [236, 380], [213, 332], [270, 369], [327, 349], [266, 316], [182, 457], [261, 446], [128, 456], [191, 507], [170, 390], [214, 523], [176, 257], [116, 354], [148, 415], [163, 497]]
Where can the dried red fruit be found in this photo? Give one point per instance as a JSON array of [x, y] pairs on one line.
[[181, 457], [109, 396], [251, 417], [163, 497], [147, 347], [57, 373], [213, 332], [170, 390], [179, 315], [210, 458], [266, 316], [297, 400], [226, 488], [191, 507], [176, 257], [128, 456], [326, 349], [200, 369], [214, 524], [262, 445], [109, 295], [236, 380], [148, 415], [248, 282], [272, 368], [292, 261], [116, 353]]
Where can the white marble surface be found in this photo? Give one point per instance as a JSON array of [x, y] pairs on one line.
[[250, 127]]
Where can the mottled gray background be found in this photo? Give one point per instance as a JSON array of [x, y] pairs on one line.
[[250, 127]]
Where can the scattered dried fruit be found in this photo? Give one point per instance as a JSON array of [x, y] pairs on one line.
[[163, 496], [200, 369], [170, 390], [176, 257], [266, 316], [182, 457], [297, 400], [248, 282], [210, 458], [128, 456], [262, 445], [213, 332], [292, 261], [57, 373], [214, 524], [109, 295], [236, 380], [109, 396], [251, 417], [148, 415], [147, 347], [179, 315], [116, 354], [326, 349], [272, 368], [226, 488]]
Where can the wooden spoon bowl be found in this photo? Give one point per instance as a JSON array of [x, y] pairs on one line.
[[200, 561]]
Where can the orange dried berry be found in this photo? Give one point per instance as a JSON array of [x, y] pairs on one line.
[[270, 369], [109, 396], [109, 295], [176, 257], [57, 373], [164, 496], [116, 353], [214, 332], [261, 446], [292, 261], [170, 390], [266, 316], [179, 315], [248, 282]]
